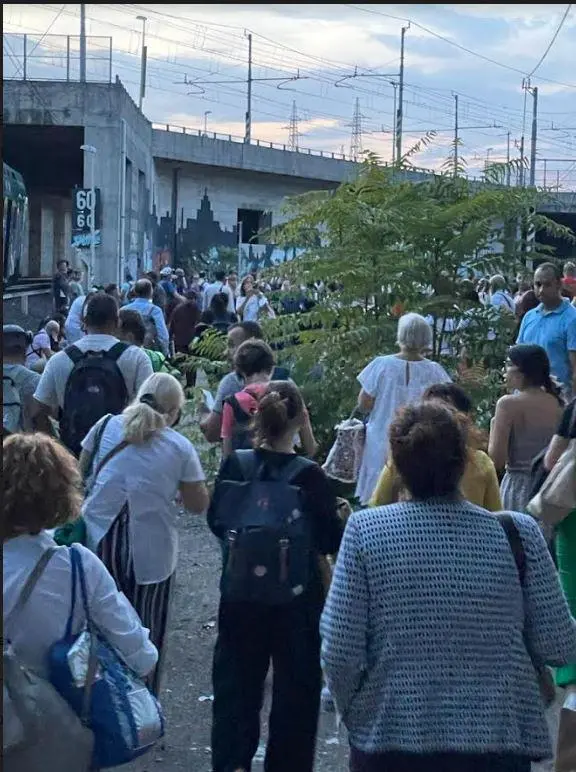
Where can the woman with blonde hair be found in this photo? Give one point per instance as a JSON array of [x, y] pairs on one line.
[[139, 464]]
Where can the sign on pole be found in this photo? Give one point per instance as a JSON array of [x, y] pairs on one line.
[[86, 215]]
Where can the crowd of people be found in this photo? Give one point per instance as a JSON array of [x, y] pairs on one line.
[[448, 604]]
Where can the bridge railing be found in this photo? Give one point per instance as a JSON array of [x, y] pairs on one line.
[[193, 132]]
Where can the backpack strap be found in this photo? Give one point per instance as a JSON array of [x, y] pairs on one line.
[[240, 415], [248, 464], [30, 584], [74, 353], [515, 541], [117, 350], [97, 443]]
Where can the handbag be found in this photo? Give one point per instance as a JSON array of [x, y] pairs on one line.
[[543, 674], [566, 747], [345, 457], [111, 700], [40, 729], [557, 496]]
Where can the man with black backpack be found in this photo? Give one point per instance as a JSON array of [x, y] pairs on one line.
[[96, 376]]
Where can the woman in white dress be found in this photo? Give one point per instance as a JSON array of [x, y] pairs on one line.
[[388, 383]]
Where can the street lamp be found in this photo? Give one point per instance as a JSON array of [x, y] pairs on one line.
[[206, 114], [91, 150], [143, 61]]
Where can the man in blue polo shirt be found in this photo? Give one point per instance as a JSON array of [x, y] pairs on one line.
[[552, 325]]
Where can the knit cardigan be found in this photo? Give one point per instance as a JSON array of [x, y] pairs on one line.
[[423, 631]]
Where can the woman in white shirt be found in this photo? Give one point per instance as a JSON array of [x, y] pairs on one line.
[[388, 383], [42, 491], [139, 465], [252, 305]]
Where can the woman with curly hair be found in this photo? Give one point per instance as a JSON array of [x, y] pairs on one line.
[[41, 491]]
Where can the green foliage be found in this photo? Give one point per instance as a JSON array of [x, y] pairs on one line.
[[387, 240]]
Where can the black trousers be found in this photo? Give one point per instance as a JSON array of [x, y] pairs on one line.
[[250, 636], [436, 762]]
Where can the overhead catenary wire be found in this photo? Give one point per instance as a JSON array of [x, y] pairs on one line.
[[551, 43], [220, 42]]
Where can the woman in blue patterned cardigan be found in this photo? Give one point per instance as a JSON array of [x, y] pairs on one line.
[[426, 626]]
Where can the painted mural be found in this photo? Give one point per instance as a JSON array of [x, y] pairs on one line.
[[199, 242]]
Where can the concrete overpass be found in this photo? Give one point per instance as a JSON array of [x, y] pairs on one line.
[[167, 193]]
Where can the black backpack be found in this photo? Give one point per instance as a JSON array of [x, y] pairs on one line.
[[267, 537], [95, 387]]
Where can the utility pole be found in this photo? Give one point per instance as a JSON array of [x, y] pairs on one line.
[[356, 140], [248, 132], [395, 86], [508, 159], [456, 135], [142, 62], [82, 43], [293, 132], [534, 138], [400, 113], [522, 161]]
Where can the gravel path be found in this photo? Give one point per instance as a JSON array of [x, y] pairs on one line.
[[187, 687]]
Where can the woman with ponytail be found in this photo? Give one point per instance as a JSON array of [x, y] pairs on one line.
[[137, 465], [524, 422], [254, 633]]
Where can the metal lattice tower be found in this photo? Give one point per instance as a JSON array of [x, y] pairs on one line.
[[293, 133], [356, 139]]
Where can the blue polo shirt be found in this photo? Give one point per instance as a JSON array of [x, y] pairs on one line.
[[555, 331]]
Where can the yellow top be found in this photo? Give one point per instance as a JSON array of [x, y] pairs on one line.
[[479, 484]]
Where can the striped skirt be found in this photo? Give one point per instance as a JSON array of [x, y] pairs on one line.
[[151, 601]]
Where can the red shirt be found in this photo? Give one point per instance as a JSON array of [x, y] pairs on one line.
[[248, 400]]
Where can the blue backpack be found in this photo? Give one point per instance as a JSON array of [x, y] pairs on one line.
[[266, 535], [111, 700]]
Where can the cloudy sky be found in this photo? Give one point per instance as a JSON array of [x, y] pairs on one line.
[[480, 52]]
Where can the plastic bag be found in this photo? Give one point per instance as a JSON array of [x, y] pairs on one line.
[[345, 457]]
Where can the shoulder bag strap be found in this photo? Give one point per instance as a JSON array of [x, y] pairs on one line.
[[108, 457], [97, 443], [30, 584], [514, 540], [78, 574]]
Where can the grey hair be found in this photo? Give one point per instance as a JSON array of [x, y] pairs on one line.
[[414, 333], [497, 282], [157, 403]]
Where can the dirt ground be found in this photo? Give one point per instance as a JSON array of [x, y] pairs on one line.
[[187, 688]]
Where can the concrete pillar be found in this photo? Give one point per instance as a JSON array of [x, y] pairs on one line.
[[47, 240], [35, 233]]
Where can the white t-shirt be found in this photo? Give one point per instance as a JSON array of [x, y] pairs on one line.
[[251, 308], [213, 289], [146, 477], [134, 365], [73, 323], [43, 619]]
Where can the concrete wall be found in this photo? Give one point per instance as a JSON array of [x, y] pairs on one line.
[[101, 110]]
